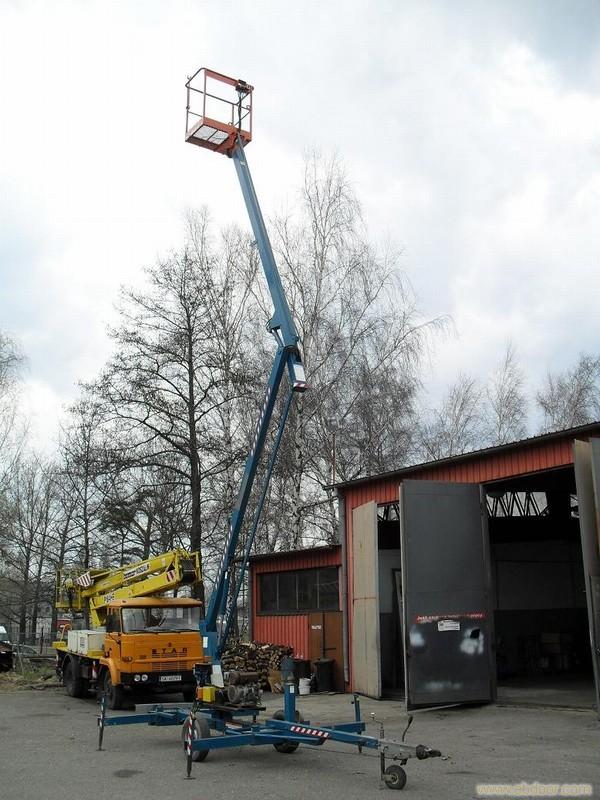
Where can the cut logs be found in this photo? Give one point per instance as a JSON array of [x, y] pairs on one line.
[[254, 657]]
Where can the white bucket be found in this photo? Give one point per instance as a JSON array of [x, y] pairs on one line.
[[304, 686]]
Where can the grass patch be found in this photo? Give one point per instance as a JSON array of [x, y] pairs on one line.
[[32, 675]]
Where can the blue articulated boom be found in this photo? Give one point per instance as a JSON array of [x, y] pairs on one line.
[[223, 601], [227, 723]]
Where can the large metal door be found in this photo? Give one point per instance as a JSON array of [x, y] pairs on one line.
[[366, 652], [446, 589], [587, 478]]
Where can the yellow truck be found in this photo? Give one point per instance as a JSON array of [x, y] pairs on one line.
[[138, 638]]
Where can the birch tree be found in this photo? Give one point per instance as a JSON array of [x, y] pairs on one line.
[[362, 336], [456, 426], [572, 397], [505, 407]]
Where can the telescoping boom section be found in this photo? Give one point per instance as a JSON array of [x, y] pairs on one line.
[[219, 118]]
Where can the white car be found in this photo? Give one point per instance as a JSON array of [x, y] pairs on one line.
[[6, 651]]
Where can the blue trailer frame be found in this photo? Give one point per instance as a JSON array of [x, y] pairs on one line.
[[286, 732]]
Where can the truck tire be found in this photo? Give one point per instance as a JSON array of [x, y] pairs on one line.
[[114, 693], [74, 684]]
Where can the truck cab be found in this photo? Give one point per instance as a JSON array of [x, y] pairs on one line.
[[147, 644], [151, 643]]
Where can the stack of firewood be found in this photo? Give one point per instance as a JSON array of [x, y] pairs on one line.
[[254, 657]]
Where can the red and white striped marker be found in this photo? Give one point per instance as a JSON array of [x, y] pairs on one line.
[[84, 580], [310, 731]]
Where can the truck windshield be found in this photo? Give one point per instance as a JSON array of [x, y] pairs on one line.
[[161, 619]]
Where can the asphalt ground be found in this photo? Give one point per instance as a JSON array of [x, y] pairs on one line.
[[48, 751]]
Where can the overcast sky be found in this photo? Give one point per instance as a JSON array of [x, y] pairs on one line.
[[471, 132]]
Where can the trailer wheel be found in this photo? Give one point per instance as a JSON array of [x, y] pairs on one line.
[[201, 731], [189, 694], [281, 715], [394, 777], [287, 747], [74, 685], [114, 693]]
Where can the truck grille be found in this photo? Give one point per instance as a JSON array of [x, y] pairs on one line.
[[169, 666]]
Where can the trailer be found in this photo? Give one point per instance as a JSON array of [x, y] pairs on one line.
[[211, 726]]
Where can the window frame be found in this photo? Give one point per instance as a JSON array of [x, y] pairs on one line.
[[294, 612]]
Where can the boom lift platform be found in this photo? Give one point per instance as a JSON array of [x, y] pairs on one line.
[[219, 118]]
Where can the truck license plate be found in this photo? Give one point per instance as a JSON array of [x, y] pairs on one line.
[[169, 678]]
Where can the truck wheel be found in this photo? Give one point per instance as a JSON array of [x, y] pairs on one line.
[[114, 694], [201, 731], [74, 684]]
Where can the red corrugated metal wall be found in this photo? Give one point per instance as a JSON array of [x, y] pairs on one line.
[[291, 631], [287, 629]]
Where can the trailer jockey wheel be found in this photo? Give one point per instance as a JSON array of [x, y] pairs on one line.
[[287, 747], [394, 777], [201, 731]]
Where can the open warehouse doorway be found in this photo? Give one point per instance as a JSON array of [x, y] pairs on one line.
[[390, 600], [542, 643]]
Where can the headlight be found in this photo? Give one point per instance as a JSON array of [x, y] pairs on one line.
[[144, 677], [136, 678]]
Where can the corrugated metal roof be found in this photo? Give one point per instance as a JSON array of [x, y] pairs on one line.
[[309, 558], [473, 455], [291, 553]]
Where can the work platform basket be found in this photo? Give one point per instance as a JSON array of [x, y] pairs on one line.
[[219, 110]]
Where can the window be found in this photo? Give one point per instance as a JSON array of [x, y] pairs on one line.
[[328, 589], [113, 621], [161, 619], [268, 592], [302, 590], [307, 589]]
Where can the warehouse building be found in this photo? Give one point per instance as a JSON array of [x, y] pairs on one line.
[[459, 580]]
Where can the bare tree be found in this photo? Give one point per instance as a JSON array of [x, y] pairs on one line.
[[362, 337], [82, 473], [456, 427], [505, 409], [179, 362], [146, 511], [572, 397], [28, 517], [13, 428]]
